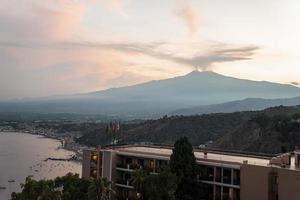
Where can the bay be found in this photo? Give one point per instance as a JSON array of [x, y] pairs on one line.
[[23, 154]]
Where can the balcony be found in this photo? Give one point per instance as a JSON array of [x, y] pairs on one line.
[[125, 184], [206, 178], [130, 167]]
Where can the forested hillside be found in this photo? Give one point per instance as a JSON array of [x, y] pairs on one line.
[[200, 129], [269, 131]]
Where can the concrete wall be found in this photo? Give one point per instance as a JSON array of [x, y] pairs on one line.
[[86, 164], [109, 168], [109, 165], [288, 184], [106, 165], [254, 182]]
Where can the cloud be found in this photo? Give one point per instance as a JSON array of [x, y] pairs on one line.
[[202, 61], [189, 16], [48, 70], [118, 6], [29, 21], [42, 69], [32, 21], [38, 57], [215, 54]]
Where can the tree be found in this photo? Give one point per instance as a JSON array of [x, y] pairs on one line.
[[37, 190], [183, 161], [139, 180], [48, 191], [100, 189], [161, 186], [183, 164], [73, 187], [69, 187]]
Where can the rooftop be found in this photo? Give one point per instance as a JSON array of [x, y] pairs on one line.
[[222, 157]]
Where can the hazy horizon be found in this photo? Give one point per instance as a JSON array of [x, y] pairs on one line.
[[75, 46], [147, 81]]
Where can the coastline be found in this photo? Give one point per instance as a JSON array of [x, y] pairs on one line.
[[77, 151], [24, 154]]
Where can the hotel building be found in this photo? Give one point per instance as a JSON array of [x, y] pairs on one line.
[[223, 175]]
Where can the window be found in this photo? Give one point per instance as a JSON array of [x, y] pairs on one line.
[[218, 174], [226, 193], [218, 193], [236, 177], [141, 163], [226, 176]]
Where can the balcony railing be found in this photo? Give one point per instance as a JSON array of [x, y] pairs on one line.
[[206, 178], [125, 198], [226, 180], [134, 166], [125, 183]]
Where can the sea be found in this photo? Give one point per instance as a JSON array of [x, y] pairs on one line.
[[23, 154]]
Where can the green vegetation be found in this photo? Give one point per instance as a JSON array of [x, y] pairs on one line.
[[162, 186], [99, 189], [275, 130], [272, 131], [69, 187], [140, 177], [183, 164], [199, 129], [158, 186]]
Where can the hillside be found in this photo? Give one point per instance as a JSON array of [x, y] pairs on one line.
[[269, 131], [156, 98], [201, 129], [249, 104]]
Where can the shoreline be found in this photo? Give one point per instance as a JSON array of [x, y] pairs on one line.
[[77, 152], [28, 159]]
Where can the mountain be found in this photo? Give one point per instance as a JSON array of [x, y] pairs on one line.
[[156, 98], [249, 104], [272, 130]]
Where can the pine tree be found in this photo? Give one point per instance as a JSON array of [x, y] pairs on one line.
[[183, 164]]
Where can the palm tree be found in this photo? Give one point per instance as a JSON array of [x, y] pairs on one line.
[[139, 180], [100, 189]]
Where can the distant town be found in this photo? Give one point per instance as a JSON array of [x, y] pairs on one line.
[[54, 129]]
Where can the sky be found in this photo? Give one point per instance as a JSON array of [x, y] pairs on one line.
[[56, 47]]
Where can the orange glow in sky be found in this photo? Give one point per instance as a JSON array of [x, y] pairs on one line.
[[70, 46]]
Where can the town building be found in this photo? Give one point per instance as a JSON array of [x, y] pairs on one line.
[[223, 175]]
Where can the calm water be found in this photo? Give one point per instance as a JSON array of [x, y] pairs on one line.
[[24, 154]]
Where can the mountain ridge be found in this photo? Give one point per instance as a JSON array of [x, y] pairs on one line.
[[156, 98], [248, 104]]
